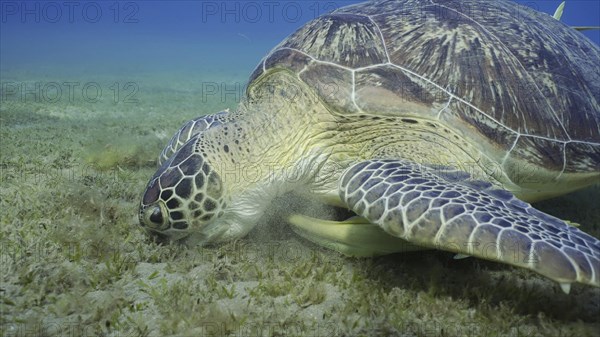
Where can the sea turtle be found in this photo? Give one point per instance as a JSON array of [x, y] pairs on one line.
[[434, 121]]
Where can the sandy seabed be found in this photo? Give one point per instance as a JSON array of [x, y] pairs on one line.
[[74, 261]]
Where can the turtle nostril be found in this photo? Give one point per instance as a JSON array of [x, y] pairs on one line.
[[156, 216]]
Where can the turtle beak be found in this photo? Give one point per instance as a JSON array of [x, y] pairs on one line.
[[211, 233], [158, 237]]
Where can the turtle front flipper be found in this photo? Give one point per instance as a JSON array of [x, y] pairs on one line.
[[353, 237], [446, 209]]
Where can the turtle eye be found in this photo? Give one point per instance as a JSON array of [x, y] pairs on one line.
[[155, 217]]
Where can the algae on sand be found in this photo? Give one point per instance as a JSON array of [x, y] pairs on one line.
[[75, 262], [123, 152]]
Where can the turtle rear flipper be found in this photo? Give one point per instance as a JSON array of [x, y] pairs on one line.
[[446, 209]]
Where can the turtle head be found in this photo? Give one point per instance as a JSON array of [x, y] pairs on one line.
[[186, 198]]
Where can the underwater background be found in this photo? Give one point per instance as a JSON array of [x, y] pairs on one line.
[[91, 92], [199, 39]]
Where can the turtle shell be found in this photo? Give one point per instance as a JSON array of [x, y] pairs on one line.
[[498, 72]]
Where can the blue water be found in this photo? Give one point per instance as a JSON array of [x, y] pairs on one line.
[[190, 38]]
